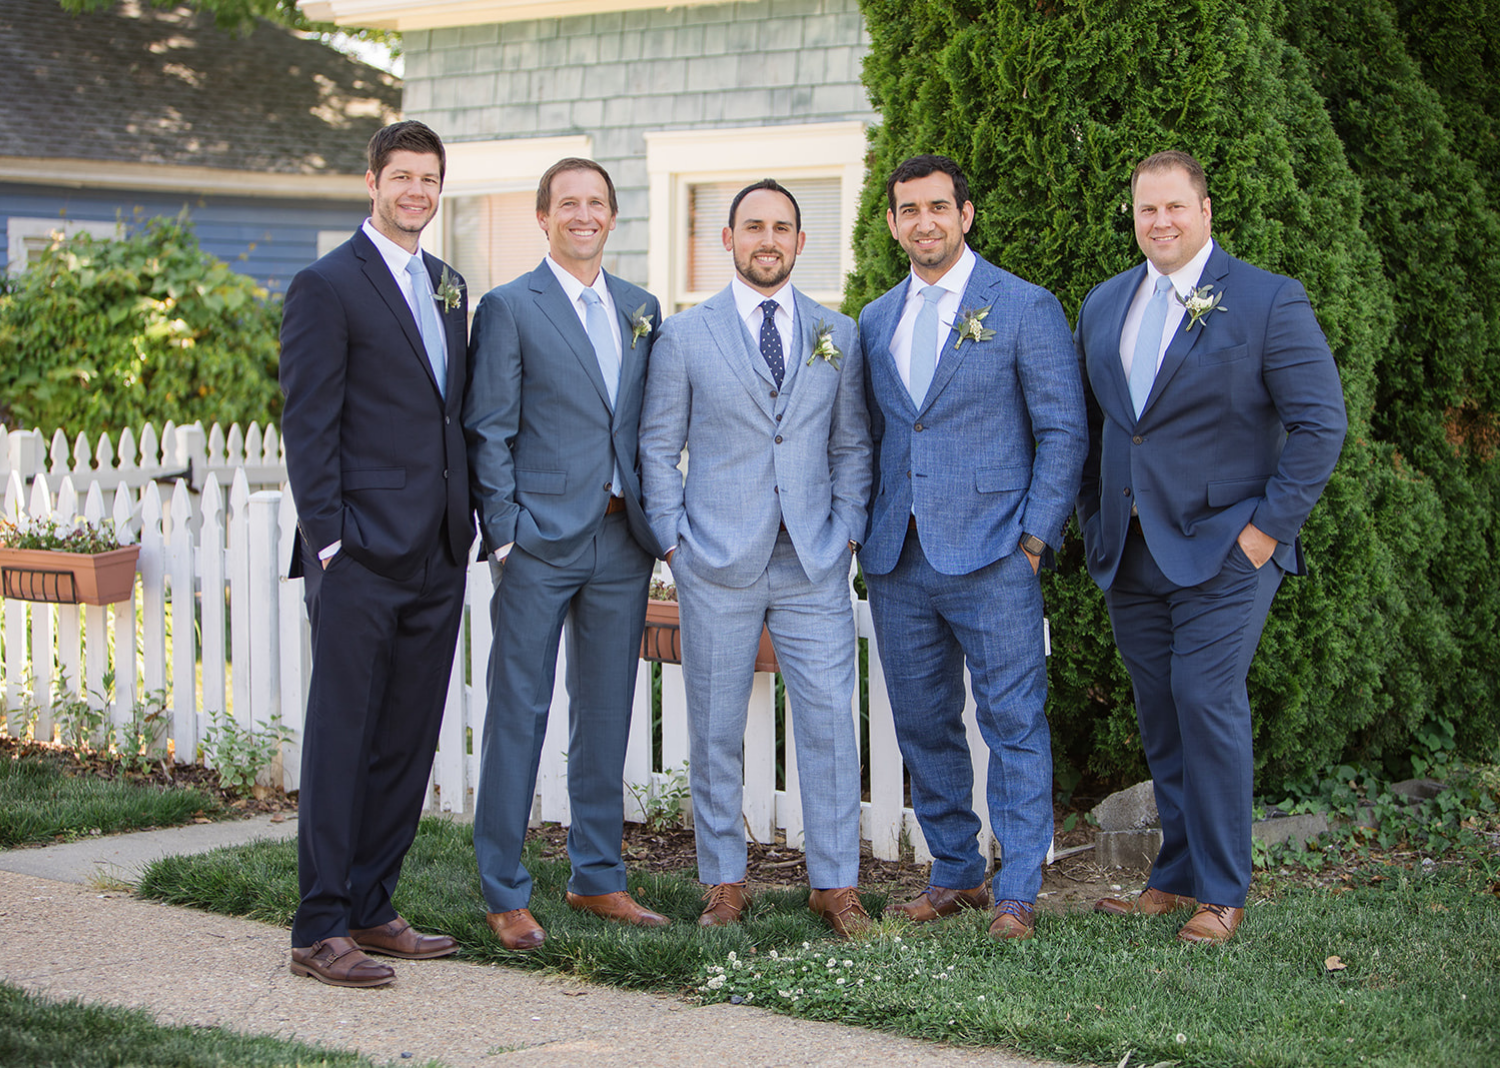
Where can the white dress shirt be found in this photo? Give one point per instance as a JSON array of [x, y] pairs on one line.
[[747, 302], [1184, 280], [955, 282], [574, 289]]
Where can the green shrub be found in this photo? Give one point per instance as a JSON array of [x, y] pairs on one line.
[[99, 335]]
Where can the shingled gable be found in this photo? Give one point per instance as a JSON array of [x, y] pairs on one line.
[[143, 86]]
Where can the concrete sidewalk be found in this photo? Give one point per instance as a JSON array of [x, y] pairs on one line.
[[63, 937]]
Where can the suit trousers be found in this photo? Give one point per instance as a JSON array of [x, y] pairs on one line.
[[601, 597], [812, 630], [382, 653], [1188, 651], [927, 624]]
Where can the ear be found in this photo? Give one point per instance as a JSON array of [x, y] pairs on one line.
[[801, 240], [728, 239], [966, 215], [890, 220]]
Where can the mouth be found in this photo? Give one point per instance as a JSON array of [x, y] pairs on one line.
[[584, 233]]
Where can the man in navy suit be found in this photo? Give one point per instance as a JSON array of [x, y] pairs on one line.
[[559, 368], [1213, 429], [373, 365], [977, 415]]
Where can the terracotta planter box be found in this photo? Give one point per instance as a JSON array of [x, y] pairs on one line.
[[663, 643], [68, 578]]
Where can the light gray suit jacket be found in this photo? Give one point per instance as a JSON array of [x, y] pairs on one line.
[[758, 456]]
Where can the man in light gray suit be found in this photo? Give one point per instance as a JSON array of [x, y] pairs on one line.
[[559, 362], [766, 390]]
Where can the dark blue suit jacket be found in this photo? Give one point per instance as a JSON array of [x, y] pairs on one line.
[[375, 454], [1244, 424]]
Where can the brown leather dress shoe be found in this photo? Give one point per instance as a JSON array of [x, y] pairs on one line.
[[516, 929], [724, 904], [938, 901], [1013, 919], [1211, 923], [841, 910], [1151, 902], [339, 962], [400, 939], [618, 906]]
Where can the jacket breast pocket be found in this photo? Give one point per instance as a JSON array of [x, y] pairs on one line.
[[1229, 355], [1000, 479], [541, 481], [1226, 491], [366, 478]]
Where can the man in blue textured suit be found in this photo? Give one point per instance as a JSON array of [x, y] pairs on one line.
[[559, 365], [1214, 428], [766, 390], [977, 415], [373, 364]]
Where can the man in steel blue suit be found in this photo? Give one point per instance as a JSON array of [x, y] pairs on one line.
[[977, 416], [1216, 417]]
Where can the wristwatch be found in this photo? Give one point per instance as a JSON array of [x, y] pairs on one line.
[[1033, 544]]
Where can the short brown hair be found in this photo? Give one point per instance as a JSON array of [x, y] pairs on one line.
[[573, 163], [408, 136], [1172, 160]]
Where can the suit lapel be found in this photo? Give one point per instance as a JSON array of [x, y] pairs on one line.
[[1183, 339], [889, 317], [979, 293], [632, 348], [1114, 368], [555, 307], [730, 336], [379, 274]]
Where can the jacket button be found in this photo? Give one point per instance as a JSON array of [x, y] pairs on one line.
[[773, 394], [918, 428], [778, 439], [1127, 491], [607, 487], [778, 417], [1137, 440], [446, 420], [908, 474], [776, 489], [445, 472]]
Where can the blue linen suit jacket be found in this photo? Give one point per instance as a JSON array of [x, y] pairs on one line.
[[994, 449], [543, 439], [1244, 423], [374, 452], [750, 445]]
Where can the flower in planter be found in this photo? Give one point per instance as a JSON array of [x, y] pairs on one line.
[[52, 535]]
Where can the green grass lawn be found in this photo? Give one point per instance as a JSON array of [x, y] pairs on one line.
[[41, 800], [1420, 986]]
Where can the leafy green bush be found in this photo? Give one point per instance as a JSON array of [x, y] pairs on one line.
[[98, 335]]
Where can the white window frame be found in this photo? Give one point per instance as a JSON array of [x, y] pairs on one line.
[[19, 228], [675, 161]]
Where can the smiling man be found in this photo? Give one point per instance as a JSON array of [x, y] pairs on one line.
[[977, 416], [765, 388], [373, 364], [1215, 418], [560, 360]]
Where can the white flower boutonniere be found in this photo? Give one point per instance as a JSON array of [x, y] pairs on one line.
[[971, 326], [825, 347], [1199, 303], [450, 290], [640, 325]]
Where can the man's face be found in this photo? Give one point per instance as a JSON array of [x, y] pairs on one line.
[[929, 225], [1171, 222], [404, 195], [578, 220], [764, 240]]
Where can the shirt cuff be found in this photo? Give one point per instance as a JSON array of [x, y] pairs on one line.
[[329, 551]]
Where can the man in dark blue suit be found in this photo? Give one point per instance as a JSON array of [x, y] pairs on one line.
[[977, 416], [373, 365], [1216, 417]]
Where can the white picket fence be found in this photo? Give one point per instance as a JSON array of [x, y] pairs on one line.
[[213, 578]]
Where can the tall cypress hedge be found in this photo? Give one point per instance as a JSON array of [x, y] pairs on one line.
[[1048, 106]]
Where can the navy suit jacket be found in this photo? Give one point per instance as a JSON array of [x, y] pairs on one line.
[[994, 449], [374, 453], [1243, 424], [543, 440]]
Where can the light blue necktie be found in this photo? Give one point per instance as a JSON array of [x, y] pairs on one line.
[[427, 321], [1148, 345], [924, 342], [596, 319]]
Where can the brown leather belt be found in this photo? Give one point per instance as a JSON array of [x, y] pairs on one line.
[[1135, 526], [911, 524], [616, 504]]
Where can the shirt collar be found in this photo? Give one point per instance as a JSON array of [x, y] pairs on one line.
[[573, 287], [1185, 278], [746, 300], [955, 281], [396, 257]]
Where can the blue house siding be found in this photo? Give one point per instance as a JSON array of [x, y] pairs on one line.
[[269, 240]]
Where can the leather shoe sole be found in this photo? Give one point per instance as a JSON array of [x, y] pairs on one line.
[[516, 929], [339, 962], [619, 907], [400, 939], [1151, 902]]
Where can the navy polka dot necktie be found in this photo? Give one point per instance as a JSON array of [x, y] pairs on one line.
[[770, 341]]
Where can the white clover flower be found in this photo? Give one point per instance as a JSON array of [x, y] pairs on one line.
[[732, 955], [716, 982], [784, 993], [775, 955], [848, 964], [1181, 1038], [839, 981], [979, 998]]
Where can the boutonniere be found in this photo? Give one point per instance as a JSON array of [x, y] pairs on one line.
[[1198, 304], [971, 326], [825, 347], [640, 325], [450, 290]]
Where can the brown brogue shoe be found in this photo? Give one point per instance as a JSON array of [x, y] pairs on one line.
[[724, 904], [938, 901], [339, 962], [841, 910], [618, 906], [1013, 919], [1151, 902], [400, 939], [1211, 923], [516, 929]]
